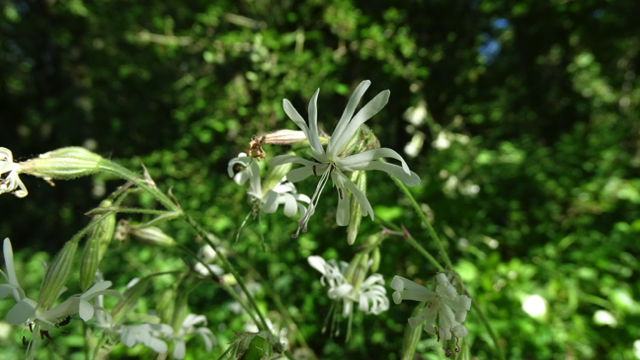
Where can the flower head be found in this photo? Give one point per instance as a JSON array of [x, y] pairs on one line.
[[445, 304], [332, 162], [12, 182], [371, 294], [283, 193]]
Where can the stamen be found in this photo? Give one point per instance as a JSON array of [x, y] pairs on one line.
[[314, 170], [340, 192]]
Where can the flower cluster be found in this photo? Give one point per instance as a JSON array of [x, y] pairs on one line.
[[334, 161], [370, 295], [28, 310], [445, 304]]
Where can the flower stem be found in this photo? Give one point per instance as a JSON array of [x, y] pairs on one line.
[[424, 219], [424, 252], [121, 171], [203, 234]]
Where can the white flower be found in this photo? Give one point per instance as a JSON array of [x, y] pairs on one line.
[[450, 308], [371, 297], [284, 193], [12, 181], [330, 161], [187, 328], [207, 255], [149, 334], [26, 309]]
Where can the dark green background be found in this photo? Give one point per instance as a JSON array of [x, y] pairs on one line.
[[547, 128]]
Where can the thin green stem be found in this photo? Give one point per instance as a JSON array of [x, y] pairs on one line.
[[424, 219], [484, 322], [121, 171], [224, 285], [203, 234], [424, 252]]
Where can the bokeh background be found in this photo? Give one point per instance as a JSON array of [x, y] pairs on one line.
[[520, 116]]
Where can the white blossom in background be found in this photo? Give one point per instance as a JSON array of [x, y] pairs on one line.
[[151, 335], [371, 296], [330, 162], [11, 182], [188, 327], [284, 193], [445, 304], [27, 310], [207, 255]]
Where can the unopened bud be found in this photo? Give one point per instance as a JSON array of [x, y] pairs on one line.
[[95, 246], [360, 273], [57, 274], [360, 179], [351, 269], [63, 164], [165, 305], [283, 137], [375, 265], [180, 310], [131, 296], [152, 235]]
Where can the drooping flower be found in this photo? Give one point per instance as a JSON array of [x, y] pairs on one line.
[[12, 182], [445, 304], [370, 295], [187, 328], [283, 193], [331, 162]]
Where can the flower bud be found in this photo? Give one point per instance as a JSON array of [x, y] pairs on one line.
[[360, 179], [360, 273], [152, 235], [57, 275], [96, 245], [63, 164], [165, 305], [180, 310]]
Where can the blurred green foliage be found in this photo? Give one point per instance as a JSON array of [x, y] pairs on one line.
[[521, 117]]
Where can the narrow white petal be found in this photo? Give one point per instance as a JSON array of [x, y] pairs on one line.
[[317, 263], [207, 337], [300, 174], [332, 150], [342, 215], [6, 289], [372, 108], [314, 139], [7, 250], [288, 159], [368, 156], [361, 198], [295, 116], [396, 171]]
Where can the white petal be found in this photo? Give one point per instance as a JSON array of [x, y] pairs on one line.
[[372, 108], [314, 139], [85, 310], [288, 159], [180, 349], [349, 110], [95, 289], [361, 198], [396, 171], [290, 204], [368, 156], [409, 290], [270, 202], [8, 260], [21, 312], [155, 344], [340, 291], [317, 263]]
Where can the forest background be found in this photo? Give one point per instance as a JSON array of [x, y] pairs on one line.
[[521, 117]]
